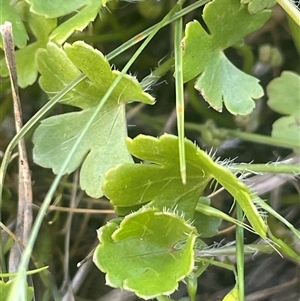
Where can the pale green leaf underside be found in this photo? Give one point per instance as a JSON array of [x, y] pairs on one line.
[[154, 251], [26, 64], [39, 25], [160, 184], [223, 82], [56, 8], [284, 94], [78, 22], [103, 146], [203, 54]]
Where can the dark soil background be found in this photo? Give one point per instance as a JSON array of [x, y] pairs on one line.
[[269, 277]]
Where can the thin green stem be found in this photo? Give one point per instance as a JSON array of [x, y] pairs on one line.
[[240, 253], [155, 75], [31, 272], [211, 211], [231, 250], [139, 37], [248, 56], [17, 291], [263, 139], [223, 265], [283, 248], [291, 10], [273, 212], [201, 107], [179, 91], [275, 168], [223, 133], [28, 126], [14, 142], [106, 37], [164, 298], [295, 32]]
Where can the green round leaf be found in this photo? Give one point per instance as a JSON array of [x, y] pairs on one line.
[[149, 253], [288, 128], [284, 94]]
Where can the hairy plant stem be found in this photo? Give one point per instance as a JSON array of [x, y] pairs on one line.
[[276, 167], [223, 134], [220, 264], [231, 250], [156, 74], [258, 138]]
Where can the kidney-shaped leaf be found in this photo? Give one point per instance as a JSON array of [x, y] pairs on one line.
[[159, 183], [228, 21], [103, 146], [148, 253]]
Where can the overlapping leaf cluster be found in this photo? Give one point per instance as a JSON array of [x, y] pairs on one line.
[[129, 186], [155, 195]]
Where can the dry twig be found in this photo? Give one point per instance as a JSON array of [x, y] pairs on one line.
[[24, 218]]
